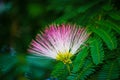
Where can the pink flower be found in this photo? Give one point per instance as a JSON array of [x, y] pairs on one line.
[[59, 42]]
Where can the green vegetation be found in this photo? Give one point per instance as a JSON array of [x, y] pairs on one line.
[[20, 21]]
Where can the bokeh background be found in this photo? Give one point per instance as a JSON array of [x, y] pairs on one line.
[[21, 20]]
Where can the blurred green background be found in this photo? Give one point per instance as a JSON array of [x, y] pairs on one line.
[[21, 20]]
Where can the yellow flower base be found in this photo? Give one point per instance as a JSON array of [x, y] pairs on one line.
[[64, 57]]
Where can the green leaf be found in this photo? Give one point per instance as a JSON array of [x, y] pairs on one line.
[[107, 7], [97, 52], [107, 37], [109, 72], [115, 15], [108, 25], [104, 25], [86, 70], [59, 72], [113, 26], [79, 60], [77, 11]]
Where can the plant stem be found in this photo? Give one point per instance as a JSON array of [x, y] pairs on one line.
[[68, 67]]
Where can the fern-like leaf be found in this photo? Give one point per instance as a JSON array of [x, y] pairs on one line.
[[115, 15], [109, 25], [109, 72], [104, 25], [79, 60], [86, 70], [97, 52], [107, 37], [59, 72], [72, 14], [113, 26]]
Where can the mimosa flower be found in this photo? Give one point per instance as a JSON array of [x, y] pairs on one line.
[[59, 42]]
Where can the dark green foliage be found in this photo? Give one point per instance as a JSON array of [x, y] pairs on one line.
[[9, 63], [98, 59], [75, 12], [103, 25], [108, 37], [87, 69], [60, 72], [114, 26], [79, 60], [115, 15], [109, 71], [97, 51]]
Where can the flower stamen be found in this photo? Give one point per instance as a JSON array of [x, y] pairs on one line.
[[64, 57]]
